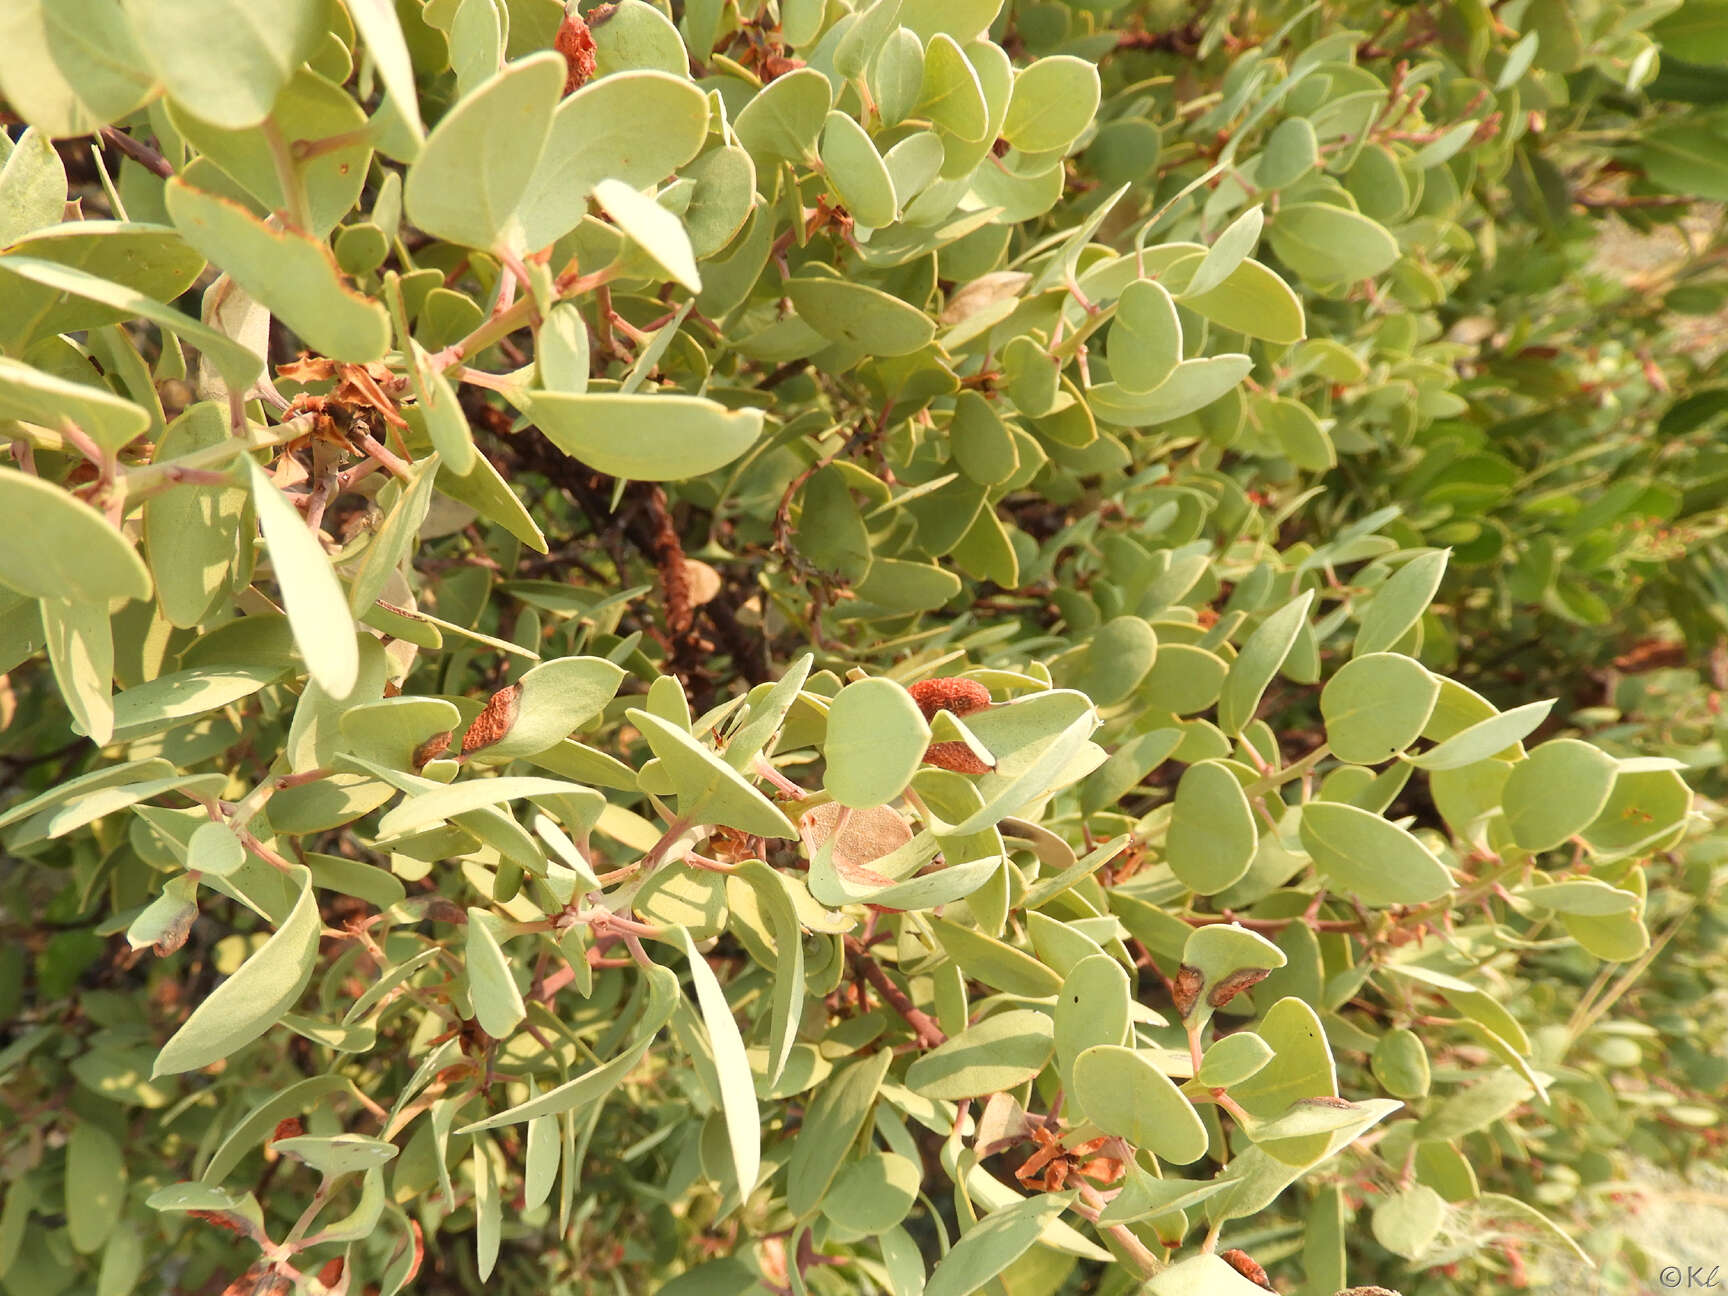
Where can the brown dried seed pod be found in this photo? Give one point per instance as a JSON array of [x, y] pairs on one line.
[[956, 756], [576, 44], [494, 721], [174, 936], [868, 835], [949, 693], [1189, 980], [431, 749], [1245, 1264], [1234, 984]]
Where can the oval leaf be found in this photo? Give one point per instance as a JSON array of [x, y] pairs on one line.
[[1123, 1093], [670, 438], [1557, 791], [876, 739], [1376, 706], [252, 1000], [1362, 855], [998, 1053], [470, 178], [58, 547], [1212, 834], [293, 275]]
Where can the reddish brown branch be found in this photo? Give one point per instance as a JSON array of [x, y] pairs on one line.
[[668, 553], [928, 1032], [139, 152], [1184, 40]]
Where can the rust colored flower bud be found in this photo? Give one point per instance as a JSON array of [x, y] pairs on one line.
[[956, 756], [1189, 980], [431, 749], [494, 721], [290, 1128], [331, 1273], [576, 44], [950, 693], [1245, 1264], [1234, 984]]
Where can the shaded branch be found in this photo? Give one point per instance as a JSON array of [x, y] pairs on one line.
[[138, 151], [923, 1026]]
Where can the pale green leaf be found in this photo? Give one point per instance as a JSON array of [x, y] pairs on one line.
[[781, 123], [671, 437], [80, 642], [574, 1095], [252, 1000], [57, 403], [876, 739], [497, 1002], [1004, 1050], [1400, 602], [32, 187], [831, 1125], [469, 181], [1260, 659], [382, 32], [1212, 834], [71, 66], [1556, 792], [860, 315], [708, 789], [1229, 250], [58, 547], [1054, 99], [1492, 737], [1376, 706], [737, 1089], [993, 1244], [1362, 855], [1124, 1094], [1328, 243], [311, 594], [635, 127], [232, 72], [652, 228], [1145, 341], [855, 170], [295, 276]]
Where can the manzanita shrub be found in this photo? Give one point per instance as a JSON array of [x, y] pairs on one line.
[[855, 645]]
